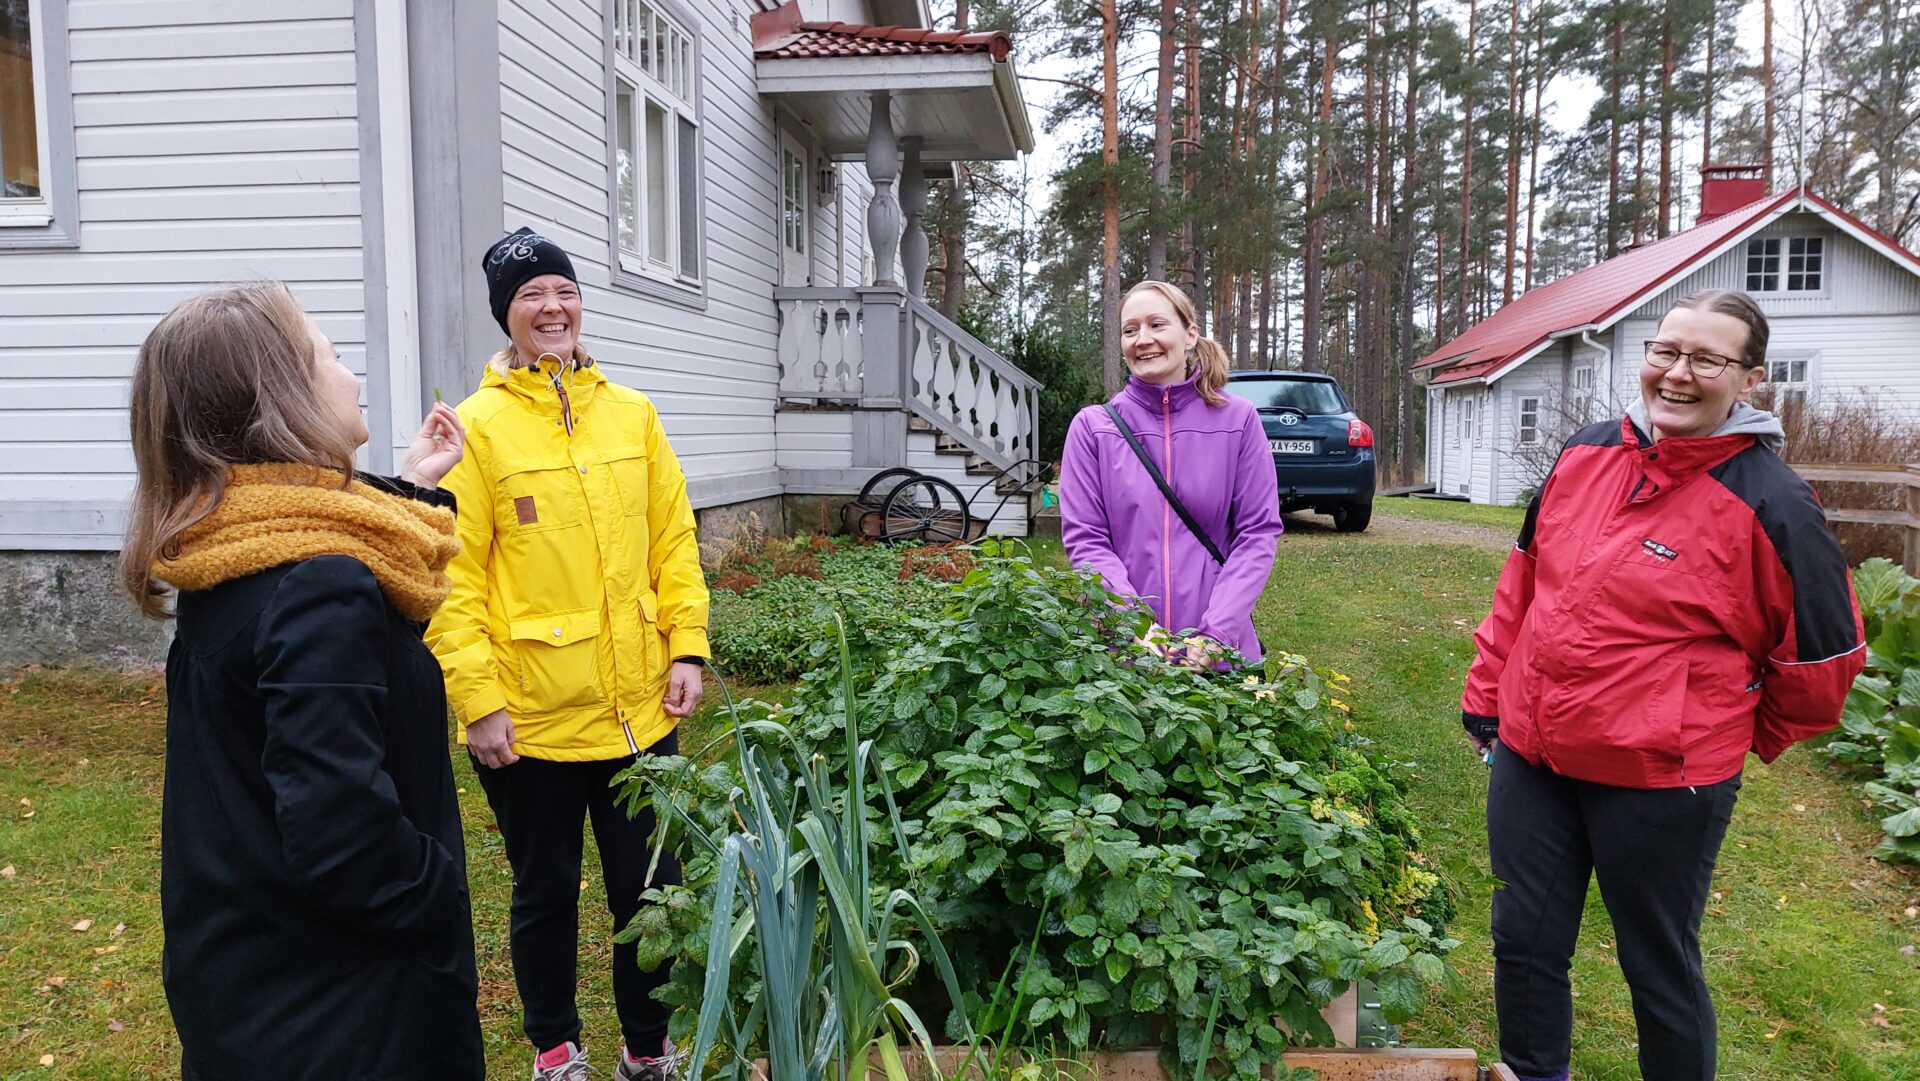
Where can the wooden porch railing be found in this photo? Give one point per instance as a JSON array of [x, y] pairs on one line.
[[1907, 477]]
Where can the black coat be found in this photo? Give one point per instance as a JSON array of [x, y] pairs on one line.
[[312, 874]]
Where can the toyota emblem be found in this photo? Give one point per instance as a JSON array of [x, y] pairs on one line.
[[1289, 419]]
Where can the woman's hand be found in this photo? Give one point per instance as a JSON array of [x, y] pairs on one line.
[[490, 739], [683, 689], [1156, 641], [436, 447]]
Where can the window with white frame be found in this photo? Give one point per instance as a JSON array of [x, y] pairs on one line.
[[1793, 264], [1527, 425], [23, 151], [1467, 404], [1791, 378], [1583, 379], [657, 142]]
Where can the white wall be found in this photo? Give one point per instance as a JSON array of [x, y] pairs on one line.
[[212, 142]]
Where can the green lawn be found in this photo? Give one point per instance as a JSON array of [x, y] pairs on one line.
[[1803, 944]]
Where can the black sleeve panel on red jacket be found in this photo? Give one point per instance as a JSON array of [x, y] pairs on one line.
[[1790, 514]]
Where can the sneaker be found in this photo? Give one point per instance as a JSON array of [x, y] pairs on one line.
[[568, 1062], [664, 1068]]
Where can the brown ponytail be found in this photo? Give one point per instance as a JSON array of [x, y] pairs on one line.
[[1206, 354]]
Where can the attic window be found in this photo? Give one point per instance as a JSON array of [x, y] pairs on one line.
[[1804, 269]]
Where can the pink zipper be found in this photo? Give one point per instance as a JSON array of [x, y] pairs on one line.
[[1166, 508]]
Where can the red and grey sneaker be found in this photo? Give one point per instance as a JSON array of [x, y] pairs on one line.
[[568, 1062], [664, 1067]]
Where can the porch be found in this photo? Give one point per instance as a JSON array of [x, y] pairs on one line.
[[871, 376]]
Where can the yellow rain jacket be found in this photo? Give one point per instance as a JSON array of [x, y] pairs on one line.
[[578, 579]]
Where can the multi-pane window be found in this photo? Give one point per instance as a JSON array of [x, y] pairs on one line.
[[1466, 419], [1790, 378], [1583, 380], [1528, 426], [657, 142], [20, 144], [1794, 264]]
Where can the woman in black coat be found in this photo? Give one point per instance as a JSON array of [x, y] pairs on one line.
[[313, 878]]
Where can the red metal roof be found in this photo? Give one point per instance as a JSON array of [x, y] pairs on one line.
[[1600, 292], [1585, 297], [781, 35]]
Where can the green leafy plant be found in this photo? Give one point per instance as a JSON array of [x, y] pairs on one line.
[[1199, 843], [797, 879], [1880, 722]]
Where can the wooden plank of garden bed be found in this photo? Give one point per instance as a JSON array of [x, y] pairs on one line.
[[1388, 1063]]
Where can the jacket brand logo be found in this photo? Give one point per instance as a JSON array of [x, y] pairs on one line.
[[1659, 549], [524, 512]]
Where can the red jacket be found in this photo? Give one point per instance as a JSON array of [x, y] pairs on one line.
[[1667, 608]]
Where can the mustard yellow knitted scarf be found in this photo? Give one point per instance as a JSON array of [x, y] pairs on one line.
[[272, 515]]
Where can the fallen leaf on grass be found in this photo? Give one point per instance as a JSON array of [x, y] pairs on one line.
[[1879, 1017], [47, 1060], [83, 925], [1799, 806], [8, 871], [56, 982], [114, 1026], [1912, 911], [118, 929]]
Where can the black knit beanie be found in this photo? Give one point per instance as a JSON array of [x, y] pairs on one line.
[[515, 258]]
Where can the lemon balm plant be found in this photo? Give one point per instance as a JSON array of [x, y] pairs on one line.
[[795, 877], [1202, 844]]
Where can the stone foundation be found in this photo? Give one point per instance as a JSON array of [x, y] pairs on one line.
[[68, 608]]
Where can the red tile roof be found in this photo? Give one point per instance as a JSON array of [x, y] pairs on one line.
[[1584, 297], [780, 35]]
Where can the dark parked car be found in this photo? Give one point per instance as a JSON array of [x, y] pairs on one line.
[[1322, 450]]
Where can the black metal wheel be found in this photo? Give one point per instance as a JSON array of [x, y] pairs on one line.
[[897, 474], [925, 509]]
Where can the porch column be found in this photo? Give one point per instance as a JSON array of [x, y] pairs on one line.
[[883, 212], [913, 203]]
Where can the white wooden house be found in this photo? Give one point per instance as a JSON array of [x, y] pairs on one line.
[[739, 183], [1842, 303]]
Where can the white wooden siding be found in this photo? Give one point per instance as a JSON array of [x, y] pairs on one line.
[[1857, 279], [814, 440], [215, 140], [711, 372]]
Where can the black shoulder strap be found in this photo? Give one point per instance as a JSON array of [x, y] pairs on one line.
[[1165, 488]]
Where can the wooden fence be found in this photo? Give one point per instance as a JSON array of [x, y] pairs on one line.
[[1907, 517]]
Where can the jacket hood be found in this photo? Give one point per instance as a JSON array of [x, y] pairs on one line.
[[1744, 420]]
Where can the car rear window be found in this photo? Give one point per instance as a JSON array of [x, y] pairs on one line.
[[1306, 395]]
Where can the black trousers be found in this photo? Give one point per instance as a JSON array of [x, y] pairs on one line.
[[542, 807], [1653, 852]]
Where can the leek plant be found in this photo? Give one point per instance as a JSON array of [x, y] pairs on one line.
[[795, 879]]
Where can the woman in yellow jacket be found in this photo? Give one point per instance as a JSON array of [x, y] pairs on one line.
[[572, 640]]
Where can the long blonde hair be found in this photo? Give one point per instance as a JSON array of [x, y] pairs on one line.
[[225, 379], [1206, 354]]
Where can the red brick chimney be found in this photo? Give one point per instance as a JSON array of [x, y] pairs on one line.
[[1726, 188]]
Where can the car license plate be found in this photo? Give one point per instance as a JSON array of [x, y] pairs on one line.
[[1293, 446]]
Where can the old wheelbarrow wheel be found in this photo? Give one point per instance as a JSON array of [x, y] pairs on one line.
[[925, 509]]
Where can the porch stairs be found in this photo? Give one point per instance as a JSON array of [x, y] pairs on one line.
[[872, 378]]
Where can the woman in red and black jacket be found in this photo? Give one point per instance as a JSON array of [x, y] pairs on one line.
[[1675, 600]]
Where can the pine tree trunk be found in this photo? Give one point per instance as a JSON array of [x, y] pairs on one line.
[[1162, 144], [1243, 337], [1466, 166], [1409, 384], [1613, 138], [1516, 96], [1534, 129], [1190, 131], [1666, 120], [1706, 124], [1766, 88], [1310, 318], [1112, 368]]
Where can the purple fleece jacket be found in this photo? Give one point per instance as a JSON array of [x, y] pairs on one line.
[[1114, 520]]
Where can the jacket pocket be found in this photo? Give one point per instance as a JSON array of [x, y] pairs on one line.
[[557, 657], [654, 655], [632, 476], [538, 497]]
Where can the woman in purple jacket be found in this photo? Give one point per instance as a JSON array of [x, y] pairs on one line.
[[1212, 452]]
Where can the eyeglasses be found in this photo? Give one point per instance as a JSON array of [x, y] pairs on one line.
[[539, 296], [1703, 365]]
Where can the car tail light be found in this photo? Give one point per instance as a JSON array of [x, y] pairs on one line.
[[1358, 434]]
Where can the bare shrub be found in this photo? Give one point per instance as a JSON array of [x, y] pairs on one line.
[[1854, 427]]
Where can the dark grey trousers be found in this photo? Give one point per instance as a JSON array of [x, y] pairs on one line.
[[1653, 852]]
